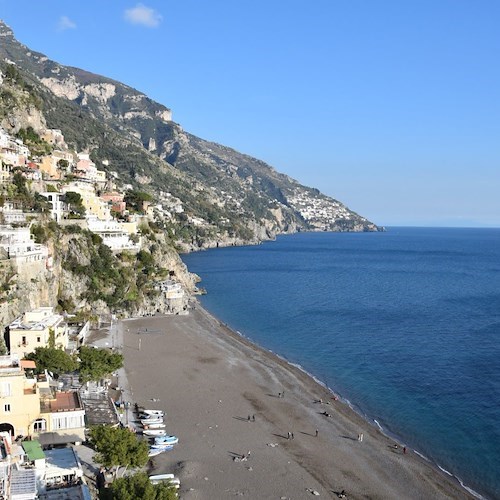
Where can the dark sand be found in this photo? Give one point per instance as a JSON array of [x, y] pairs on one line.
[[209, 380]]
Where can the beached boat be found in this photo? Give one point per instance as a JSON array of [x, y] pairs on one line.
[[154, 452], [153, 412], [154, 432], [154, 426], [170, 478], [143, 416], [164, 447], [149, 421], [166, 440]]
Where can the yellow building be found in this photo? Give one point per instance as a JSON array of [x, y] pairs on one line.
[[48, 166], [19, 397], [30, 407], [94, 206], [33, 329]]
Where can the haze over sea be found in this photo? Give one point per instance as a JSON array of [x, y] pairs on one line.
[[405, 325]]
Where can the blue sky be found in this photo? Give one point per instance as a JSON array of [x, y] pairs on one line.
[[390, 106]]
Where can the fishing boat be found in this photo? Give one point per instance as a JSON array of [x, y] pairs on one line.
[[166, 440], [164, 447], [146, 416], [169, 478], [153, 412], [154, 432], [154, 426], [154, 452], [149, 421]]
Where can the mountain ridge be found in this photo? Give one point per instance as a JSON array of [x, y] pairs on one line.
[[219, 184]]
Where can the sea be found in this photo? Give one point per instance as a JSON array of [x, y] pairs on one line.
[[403, 325]]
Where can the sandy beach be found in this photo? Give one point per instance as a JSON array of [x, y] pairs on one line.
[[209, 381]]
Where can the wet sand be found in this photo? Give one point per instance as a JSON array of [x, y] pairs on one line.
[[210, 380]]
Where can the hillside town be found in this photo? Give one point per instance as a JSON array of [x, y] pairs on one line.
[[44, 416]]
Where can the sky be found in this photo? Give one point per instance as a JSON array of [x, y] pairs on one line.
[[390, 106]]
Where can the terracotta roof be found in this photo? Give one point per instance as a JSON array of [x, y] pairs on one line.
[[66, 401]]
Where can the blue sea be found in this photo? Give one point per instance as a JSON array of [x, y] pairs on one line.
[[405, 325]]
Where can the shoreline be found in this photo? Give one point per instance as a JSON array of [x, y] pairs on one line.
[[335, 462], [373, 422]]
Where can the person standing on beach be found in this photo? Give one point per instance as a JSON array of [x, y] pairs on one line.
[[361, 438], [317, 432]]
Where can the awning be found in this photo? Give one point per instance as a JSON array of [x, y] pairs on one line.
[[33, 449], [28, 364]]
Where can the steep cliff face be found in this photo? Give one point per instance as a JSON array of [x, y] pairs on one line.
[[91, 278], [32, 287]]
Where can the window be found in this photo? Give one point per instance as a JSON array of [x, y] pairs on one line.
[[39, 339], [39, 425], [6, 408], [5, 389], [23, 342]]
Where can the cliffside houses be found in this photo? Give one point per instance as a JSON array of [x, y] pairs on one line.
[[65, 172]]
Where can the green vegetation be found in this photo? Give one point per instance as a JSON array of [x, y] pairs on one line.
[[54, 360], [116, 447], [138, 486], [96, 364], [135, 200], [37, 146], [75, 203]]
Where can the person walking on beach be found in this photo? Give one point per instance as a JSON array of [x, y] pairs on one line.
[[288, 435], [360, 438], [317, 432]]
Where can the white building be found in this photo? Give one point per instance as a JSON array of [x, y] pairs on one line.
[[113, 234], [19, 244], [58, 206]]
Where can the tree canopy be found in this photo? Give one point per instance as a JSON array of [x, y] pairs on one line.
[[117, 447], [138, 486], [96, 364], [53, 360]]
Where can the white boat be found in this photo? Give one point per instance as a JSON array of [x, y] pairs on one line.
[[148, 416], [164, 447], [170, 478], [166, 440], [154, 426], [153, 412], [154, 432], [149, 421], [153, 453]]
